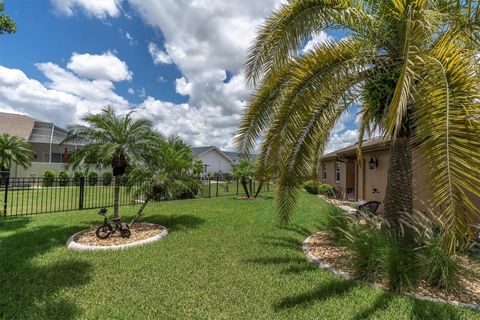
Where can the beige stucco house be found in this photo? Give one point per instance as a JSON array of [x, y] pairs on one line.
[[367, 179]]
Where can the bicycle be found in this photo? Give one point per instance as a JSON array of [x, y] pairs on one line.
[[106, 229]]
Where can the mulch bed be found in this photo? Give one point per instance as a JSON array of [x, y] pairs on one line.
[[322, 246], [140, 231]]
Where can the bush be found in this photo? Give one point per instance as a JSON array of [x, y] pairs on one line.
[[326, 190], [339, 224], [440, 269], [63, 178], [312, 186], [77, 176], [92, 178], [107, 178], [48, 178], [400, 264], [315, 187], [189, 191]]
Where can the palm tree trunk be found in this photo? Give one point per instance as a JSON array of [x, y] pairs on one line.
[[244, 185], [399, 193], [116, 195], [140, 211], [259, 188]]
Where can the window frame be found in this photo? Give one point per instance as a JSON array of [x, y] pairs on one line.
[[324, 171], [338, 172]]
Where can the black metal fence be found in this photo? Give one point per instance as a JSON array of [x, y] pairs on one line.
[[29, 196]]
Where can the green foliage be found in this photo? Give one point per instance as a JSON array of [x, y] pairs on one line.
[[107, 178], [312, 186], [414, 66], [48, 178], [326, 189], [338, 223], [78, 175], [7, 25], [63, 178], [440, 268], [316, 187], [92, 178], [14, 150]]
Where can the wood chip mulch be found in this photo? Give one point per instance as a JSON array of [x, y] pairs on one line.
[[140, 231], [322, 246]]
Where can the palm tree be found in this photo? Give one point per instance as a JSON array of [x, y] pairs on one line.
[[245, 171], [165, 175], [413, 67], [14, 150], [112, 141]]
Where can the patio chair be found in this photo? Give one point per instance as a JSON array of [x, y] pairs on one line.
[[369, 207]]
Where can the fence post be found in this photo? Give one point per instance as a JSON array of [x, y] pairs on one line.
[[5, 204], [209, 188], [217, 188], [81, 193], [237, 186]]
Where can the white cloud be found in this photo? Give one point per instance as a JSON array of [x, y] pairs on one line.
[[341, 140], [158, 55], [131, 91], [98, 8], [183, 87], [105, 66], [317, 39]]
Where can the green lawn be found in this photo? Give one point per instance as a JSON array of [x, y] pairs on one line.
[[224, 259]]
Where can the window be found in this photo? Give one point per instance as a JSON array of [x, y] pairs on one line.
[[46, 157], [337, 172], [324, 171]]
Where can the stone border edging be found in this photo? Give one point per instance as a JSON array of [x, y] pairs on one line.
[[72, 245], [326, 266]]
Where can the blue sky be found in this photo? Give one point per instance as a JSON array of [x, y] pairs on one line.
[[178, 63]]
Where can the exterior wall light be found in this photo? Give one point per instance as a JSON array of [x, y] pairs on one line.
[[373, 163]]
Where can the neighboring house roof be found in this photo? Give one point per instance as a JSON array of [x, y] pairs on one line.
[[230, 155], [371, 144], [17, 125], [31, 129]]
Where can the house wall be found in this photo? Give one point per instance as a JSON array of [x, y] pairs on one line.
[[373, 182], [216, 162]]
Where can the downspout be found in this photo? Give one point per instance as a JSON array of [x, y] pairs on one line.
[[51, 141]]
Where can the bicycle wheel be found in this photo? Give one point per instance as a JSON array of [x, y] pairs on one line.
[[104, 231]]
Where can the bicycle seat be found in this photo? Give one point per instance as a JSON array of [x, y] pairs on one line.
[[102, 211]]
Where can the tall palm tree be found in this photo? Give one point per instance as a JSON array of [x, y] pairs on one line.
[[14, 150], [413, 65], [112, 141]]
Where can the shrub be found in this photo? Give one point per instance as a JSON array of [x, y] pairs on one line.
[[339, 224], [63, 178], [312, 186], [107, 178], [188, 191], [92, 178], [48, 178], [399, 264], [77, 176], [326, 190], [440, 269]]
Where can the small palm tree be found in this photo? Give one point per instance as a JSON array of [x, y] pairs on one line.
[[14, 150], [245, 171], [166, 175], [413, 65], [112, 141]]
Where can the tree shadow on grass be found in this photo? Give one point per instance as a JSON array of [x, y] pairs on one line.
[[29, 283], [331, 289], [289, 265], [424, 310], [11, 224], [381, 303], [175, 221], [282, 242]]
